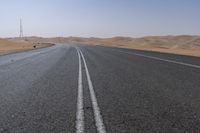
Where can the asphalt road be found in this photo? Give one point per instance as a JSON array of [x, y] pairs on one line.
[[94, 89]]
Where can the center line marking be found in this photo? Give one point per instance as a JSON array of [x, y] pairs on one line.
[[80, 110], [97, 115]]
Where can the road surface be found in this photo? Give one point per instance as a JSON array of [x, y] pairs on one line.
[[94, 89]]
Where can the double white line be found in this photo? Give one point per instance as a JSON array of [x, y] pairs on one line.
[[80, 127]]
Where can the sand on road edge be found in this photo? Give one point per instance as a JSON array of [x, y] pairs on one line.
[[9, 47]]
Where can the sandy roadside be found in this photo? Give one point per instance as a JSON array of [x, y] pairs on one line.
[[182, 45], [8, 47], [179, 51]]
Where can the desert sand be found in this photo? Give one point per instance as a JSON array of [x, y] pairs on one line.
[[9, 46], [184, 44]]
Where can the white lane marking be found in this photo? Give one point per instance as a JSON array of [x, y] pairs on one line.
[[80, 110], [97, 115], [166, 60]]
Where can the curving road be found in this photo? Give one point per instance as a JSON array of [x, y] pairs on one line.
[[94, 89]]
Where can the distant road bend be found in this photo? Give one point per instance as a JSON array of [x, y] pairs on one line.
[[94, 89]]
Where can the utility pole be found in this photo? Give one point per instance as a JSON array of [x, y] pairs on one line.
[[21, 29]]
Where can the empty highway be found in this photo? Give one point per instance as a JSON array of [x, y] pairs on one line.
[[95, 89]]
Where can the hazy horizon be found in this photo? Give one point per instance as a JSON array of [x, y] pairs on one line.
[[92, 18]]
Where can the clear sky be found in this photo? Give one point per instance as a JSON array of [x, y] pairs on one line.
[[99, 18]]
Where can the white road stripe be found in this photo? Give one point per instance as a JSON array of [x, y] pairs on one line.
[[166, 60], [97, 115], [80, 110]]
